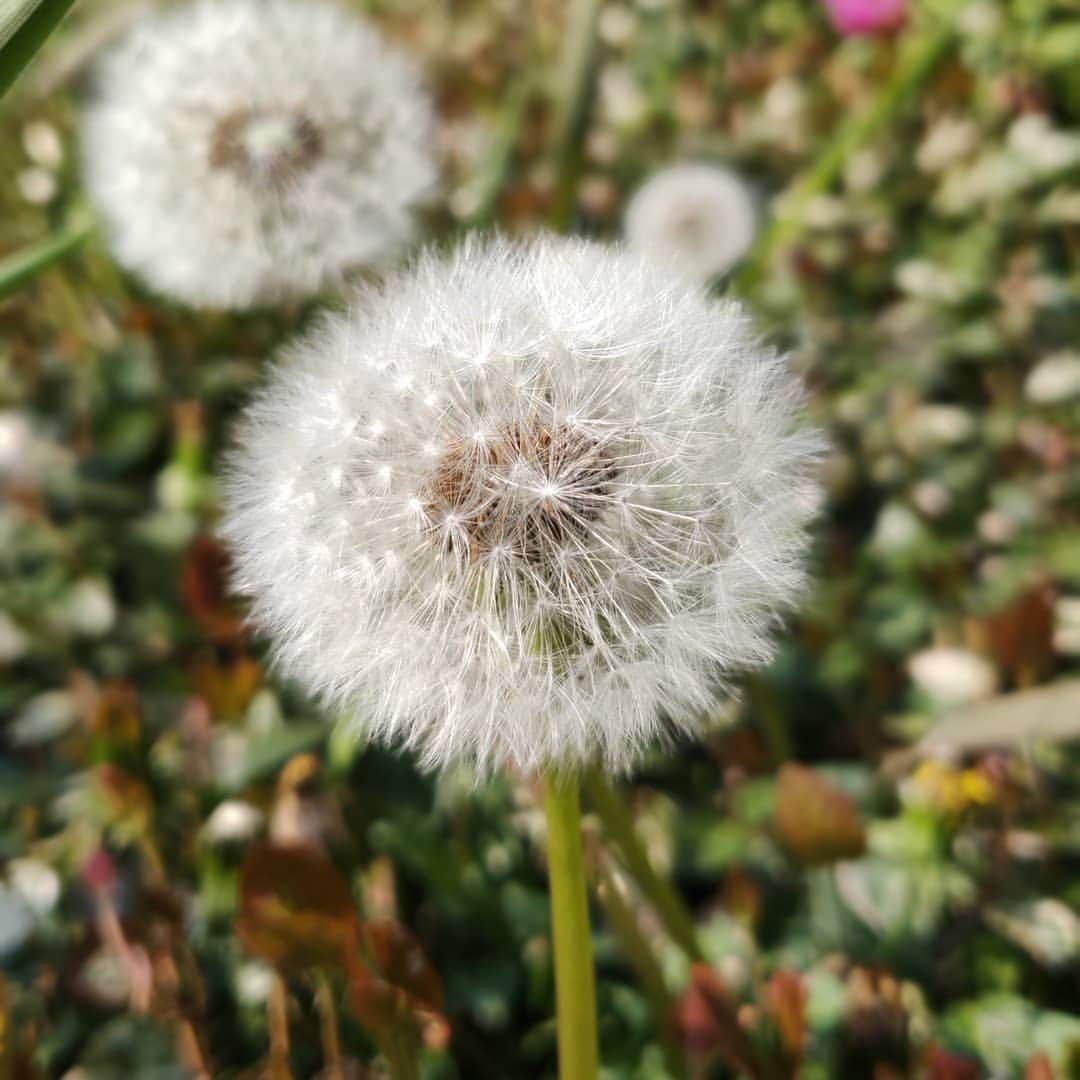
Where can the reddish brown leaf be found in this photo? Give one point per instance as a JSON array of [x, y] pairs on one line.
[[875, 1028], [741, 896], [228, 688], [296, 911], [99, 871], [939, 1064], [1040, 1067], [1020, 637], [205, 579], [706, 1023], [815, 821], [392, 984], [127, 799], [116, 714], [785, 1002]]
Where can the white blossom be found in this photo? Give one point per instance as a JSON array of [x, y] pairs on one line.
[[525, 504], [896, 530], [14, 641], [42, 144], [232, 821], [1067, 626], [36, 185], [16, 445], [1054, 379], [949, 140], [16, 920], [89, 609], [45, 717], [37, 883], [700, 218], [244, 150], [932, 427], [929, 281], [254, 983], [950, 677]]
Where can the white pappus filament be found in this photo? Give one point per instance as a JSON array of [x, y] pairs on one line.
[[526, 504]]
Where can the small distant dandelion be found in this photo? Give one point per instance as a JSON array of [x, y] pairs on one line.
[[530, 505], [700, 218], [240, 151]]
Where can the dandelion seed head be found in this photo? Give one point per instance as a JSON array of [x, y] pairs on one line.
[[567, 556], [241, 151], [700, 218]]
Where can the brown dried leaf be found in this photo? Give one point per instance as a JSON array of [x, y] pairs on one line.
[[1021, 636], [393, 985], [815, 821], [785, 1002], [296, 911], [205, 577], [1040, 1067], [117, 716], [228, 688], [706, 1023]]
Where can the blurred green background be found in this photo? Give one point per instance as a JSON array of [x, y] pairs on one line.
[[879, 844]]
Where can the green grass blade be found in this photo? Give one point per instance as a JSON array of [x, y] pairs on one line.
[[20, 267], [23, 30]]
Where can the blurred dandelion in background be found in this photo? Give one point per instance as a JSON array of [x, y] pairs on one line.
[[224, 183], [702, 219]]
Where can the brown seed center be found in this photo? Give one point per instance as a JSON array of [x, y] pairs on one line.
[[530, 490], [264, 146]]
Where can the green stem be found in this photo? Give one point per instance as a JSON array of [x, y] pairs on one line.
[[500, 158], [279, 1067], [575, 979], [572, 93], [624, 923], [400, 1050], [619, 826], [333, 1067], [27, 30], [772, 719], [17, 269], [921, 56]]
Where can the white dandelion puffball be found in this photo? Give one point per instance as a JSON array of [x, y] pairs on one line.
[[700, 218], [241, 151], [528, 505]]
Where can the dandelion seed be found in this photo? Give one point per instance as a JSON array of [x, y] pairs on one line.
[[700, 218], [584, 577], [245, 150]]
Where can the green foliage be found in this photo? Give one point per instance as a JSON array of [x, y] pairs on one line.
[[23, 31], [877, 876]]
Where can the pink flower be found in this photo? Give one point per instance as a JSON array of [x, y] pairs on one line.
[[856, 17], [99, 872]]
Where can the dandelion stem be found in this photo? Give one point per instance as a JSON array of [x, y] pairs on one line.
[[575, 979], [619, 826], [920, 57]]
